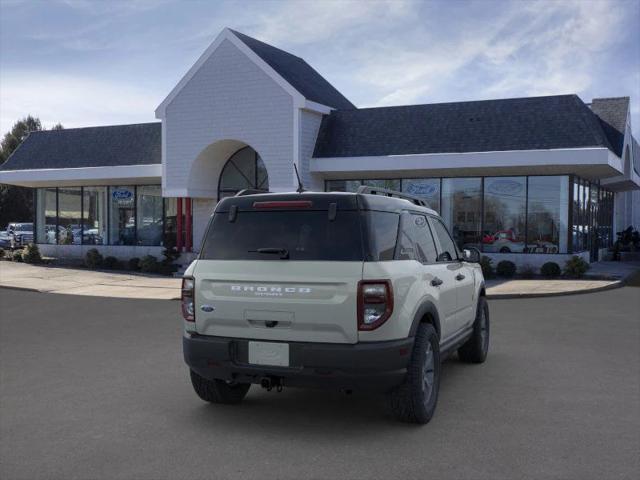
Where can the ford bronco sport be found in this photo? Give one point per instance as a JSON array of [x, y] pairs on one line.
[[354, 291]]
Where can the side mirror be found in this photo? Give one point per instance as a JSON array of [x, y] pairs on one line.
[[471, 255]]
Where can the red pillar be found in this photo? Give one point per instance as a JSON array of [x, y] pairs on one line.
[[179, 225], [188, 225]]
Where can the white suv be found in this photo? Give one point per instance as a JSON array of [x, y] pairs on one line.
[[361, 290]]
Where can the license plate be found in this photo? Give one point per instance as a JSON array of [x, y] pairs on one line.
[[269, 353]]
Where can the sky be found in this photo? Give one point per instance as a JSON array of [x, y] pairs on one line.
[[84, 63]]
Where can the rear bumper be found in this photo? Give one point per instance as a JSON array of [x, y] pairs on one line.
[[372, 366]]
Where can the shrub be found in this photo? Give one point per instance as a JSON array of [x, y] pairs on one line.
[[93, 259], [575, 267], [134, 263], [506, 268], [1, 253], [149, 264], [31, 254], [166, 269], [110, 263], [527, 271], [17, 256], [550, 270], [487, 266]]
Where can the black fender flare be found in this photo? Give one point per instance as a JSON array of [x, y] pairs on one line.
[[427, 308]]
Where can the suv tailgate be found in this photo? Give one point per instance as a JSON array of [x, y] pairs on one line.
[[288, 301]]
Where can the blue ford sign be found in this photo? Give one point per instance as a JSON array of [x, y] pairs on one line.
[[122, 194], [505, 187], [422, 189]]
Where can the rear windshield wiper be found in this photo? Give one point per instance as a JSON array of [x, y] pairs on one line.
[[283, 252]]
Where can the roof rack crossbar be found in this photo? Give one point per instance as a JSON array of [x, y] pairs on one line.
[[366, 189], [250, 191]]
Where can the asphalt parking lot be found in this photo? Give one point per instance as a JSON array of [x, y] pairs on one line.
[[96, 388]]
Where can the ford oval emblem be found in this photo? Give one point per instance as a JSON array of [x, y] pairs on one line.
[[207, 308], [423, 189], [122, 194]]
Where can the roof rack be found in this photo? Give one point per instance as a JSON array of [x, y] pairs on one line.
[[250, 191], [366, 189]]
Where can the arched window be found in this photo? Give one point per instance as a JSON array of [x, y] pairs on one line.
[[244, 169]]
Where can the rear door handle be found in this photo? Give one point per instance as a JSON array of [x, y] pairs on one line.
[[436, 282], [460, 277]]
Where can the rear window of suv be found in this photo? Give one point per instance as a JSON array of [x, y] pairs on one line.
[[303, 235]]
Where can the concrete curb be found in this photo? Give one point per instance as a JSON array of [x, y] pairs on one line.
[[506, 296], [25, 289], [28, 289]]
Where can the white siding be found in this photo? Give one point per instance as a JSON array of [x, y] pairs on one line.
[[229, 97], [201, 208], [309, 126]]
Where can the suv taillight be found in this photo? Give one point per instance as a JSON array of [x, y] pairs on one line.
[[375, 303], [187, 299]]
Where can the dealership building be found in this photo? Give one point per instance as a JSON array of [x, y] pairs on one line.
[[525, 179]]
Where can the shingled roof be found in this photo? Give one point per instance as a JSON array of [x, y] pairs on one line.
[[109, 146], [534, 123], [612, 113], [298, 73]]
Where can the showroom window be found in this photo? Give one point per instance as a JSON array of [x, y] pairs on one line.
[[46, 215], [461, 210], [426, 188], [388, 184], [547, 216], [94, 215], [505, 214], [149, 215], [122, 217], [342, 185], [104, 215], [70, 216]]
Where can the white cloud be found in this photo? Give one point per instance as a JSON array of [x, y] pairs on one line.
[[306, 22], [72, 100]]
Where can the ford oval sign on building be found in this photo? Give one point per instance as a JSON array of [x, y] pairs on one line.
[[423, 189], [123, 196], [509, 188]]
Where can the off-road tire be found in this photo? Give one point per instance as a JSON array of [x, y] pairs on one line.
[[412, 401], [219, 391], [475, 349]]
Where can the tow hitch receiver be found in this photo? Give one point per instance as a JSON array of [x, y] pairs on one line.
[[269, 383]]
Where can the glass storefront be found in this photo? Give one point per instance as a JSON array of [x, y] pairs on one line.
[[523, 214], [120, 215], [505, 215], [149, 215], [46, 215], [426, 188], [547, 214], [461, 209], [94, 213], [69, 216]]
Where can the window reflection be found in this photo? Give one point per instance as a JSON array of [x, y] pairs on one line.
[[69, 216], [122, 221], [149, 215], [462, 210], [94, 216], [505, 200], [425, 188], [548, 199]]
